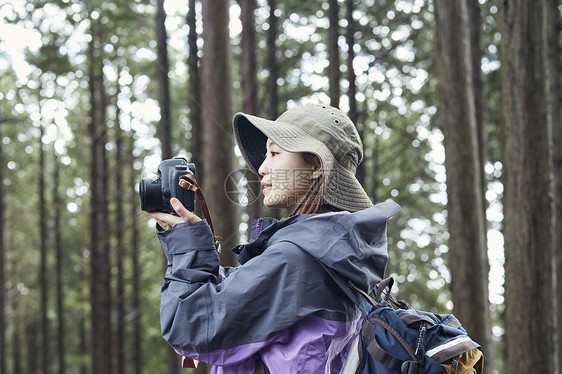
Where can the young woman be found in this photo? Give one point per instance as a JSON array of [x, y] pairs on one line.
[[279, 312]]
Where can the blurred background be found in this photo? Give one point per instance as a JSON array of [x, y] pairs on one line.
[[458, 104]]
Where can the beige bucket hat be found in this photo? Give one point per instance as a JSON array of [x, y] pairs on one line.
[[314, 128]]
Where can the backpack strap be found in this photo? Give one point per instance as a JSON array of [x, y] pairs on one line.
[[368, 330]]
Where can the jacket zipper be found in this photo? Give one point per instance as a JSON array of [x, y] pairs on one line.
[[259, 228]]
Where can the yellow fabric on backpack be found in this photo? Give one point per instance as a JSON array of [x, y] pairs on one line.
[[471, 362]]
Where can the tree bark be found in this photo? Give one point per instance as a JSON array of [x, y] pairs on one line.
[[165, 125], [475, 26], [467, 243], [351, 78], [194, 92], [17, 362], [31, 340], [105, 247], [215, 68], [120, 233], [3, 353], [554, 24], [334, 74], [59, 258], [272, 63], [527, 207], [43, 279], [248, 66], [99, 261], [249, 77], [135, 266]]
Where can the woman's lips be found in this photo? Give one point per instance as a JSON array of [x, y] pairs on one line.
[[265, 186]]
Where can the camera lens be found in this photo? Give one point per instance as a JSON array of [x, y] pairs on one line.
[[150, 194]]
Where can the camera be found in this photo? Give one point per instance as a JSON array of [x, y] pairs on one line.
[[155, 194]]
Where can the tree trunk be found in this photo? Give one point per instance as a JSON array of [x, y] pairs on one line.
[[248, 66], [43, 279], [334, 74], [215, 72], [351, 78], [105, 247], [527, 207], [194, 92], [59, 258], [248, 72], [217, 136], [83, 343], [475, 26], [31, 340], [3, 325], [99, 271], [165, 126], [135, 266], [555, 51], [272, 63], [120, 233], [467, 243], [17, 362]]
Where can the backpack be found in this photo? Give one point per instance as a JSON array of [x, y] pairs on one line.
[[395, 338]]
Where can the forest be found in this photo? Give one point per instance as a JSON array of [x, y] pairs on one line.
[[458, 104]]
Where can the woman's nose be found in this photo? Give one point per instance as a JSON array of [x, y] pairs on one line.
[[263, 169]]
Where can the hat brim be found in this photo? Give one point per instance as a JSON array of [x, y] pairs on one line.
[[341, 189]]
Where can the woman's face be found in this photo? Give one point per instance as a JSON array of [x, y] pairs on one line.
[[286, 177]]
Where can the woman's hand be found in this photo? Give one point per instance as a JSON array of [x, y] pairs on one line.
[[169, 221]]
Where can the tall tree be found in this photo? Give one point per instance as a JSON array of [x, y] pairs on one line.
[[165, 125], [134, 251], [467, 243], [351, 78], [194, 90], [59, 265], [215, 71], [104, 225], [43, 279], [3, 353], [120, 227], [475, 26], [100, 269], [249, 78], [554, 30], [334, 74], [527, 206], [272, 64], [248, 65]]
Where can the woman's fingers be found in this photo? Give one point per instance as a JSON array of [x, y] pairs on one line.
[[182, 212], [169, 221], [165, 220]]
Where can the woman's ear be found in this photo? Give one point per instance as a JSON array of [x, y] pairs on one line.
[[315, 162], [317, 173]]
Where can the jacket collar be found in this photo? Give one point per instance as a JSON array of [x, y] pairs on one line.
[[262, 230]]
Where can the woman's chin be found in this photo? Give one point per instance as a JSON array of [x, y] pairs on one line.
[[274, 201]]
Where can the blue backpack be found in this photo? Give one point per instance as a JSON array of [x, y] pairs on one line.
[[397, 339]]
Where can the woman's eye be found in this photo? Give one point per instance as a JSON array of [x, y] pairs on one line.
[[270, 153]]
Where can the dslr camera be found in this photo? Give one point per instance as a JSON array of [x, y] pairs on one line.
[[155, 194]]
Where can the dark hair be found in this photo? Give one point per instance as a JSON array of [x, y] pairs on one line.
[[313, 201]]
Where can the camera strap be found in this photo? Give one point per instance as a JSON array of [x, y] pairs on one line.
[[189, 182]]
